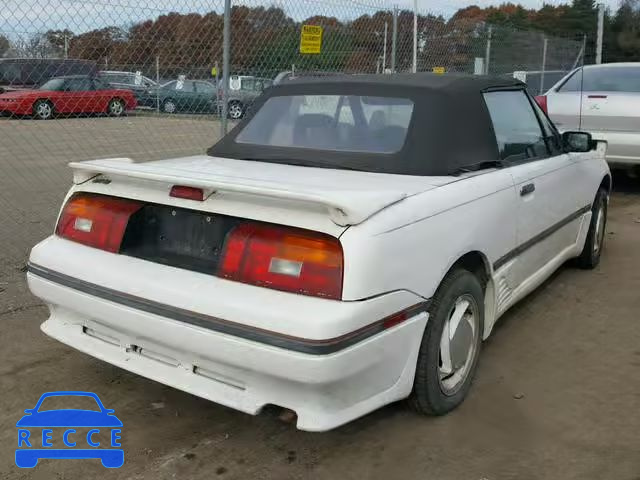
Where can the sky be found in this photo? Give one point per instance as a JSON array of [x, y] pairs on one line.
[[19, 18]]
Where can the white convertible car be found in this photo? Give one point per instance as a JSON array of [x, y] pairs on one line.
[[349, 244]]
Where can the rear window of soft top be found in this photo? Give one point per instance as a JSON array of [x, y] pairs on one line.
[[349, 123]]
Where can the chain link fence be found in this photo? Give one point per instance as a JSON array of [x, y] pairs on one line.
[[168, 56]]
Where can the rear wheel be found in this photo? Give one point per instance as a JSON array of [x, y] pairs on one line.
[[450, 347], [169, 106], [593, 245], [116, 107], [43, 110]]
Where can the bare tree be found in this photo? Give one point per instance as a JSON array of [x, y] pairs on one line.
[[4, 45]]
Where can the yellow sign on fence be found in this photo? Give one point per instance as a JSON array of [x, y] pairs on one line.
[[439, 70], [310, 39]]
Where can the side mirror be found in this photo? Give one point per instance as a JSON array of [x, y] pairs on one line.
[[578, 141], [29, 411]]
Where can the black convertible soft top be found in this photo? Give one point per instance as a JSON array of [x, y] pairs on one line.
[[450, 129]]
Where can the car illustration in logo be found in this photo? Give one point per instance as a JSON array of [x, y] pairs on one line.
[[32, 446]]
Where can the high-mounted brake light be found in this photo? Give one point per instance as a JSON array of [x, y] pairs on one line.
[[96, 220], [542, 101], [284, 258], [190, 193]]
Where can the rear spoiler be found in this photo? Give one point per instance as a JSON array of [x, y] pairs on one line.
[[349, 207]]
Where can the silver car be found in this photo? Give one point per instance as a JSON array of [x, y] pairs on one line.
[[608, 107]]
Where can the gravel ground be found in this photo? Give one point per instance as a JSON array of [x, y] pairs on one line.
[[557, 394]]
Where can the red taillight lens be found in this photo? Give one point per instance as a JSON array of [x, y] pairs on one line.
[[284, 258], [542, 101], [96, 220]]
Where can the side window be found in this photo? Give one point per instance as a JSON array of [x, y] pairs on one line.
[[612, 79], [185, 86], [554, 140], [204, 87], [516, 126], [79, 85], [573, 83], [100, 84]]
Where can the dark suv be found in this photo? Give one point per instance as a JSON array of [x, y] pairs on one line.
[[18, 73]]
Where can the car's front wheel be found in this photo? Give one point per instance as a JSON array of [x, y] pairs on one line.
[[43, 110], [451, 344], [116, 107]]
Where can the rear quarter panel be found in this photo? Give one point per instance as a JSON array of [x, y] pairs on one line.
[[411, 245]]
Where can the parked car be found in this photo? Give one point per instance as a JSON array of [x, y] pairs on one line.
[[289, 75], [72, 94], [183, 96], [243, 92], [20, 73], [539, 81], [348, 245], [604, 100], [140, 85]]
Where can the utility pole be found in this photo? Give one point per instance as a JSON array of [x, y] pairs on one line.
[[415, 36], [66, 46], [394, 38], [226, 40], [600, 33], [545, 42], [487, 54]]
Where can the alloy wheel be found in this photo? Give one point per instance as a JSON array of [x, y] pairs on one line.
[[235, 111], [116, 108], [44, 110]]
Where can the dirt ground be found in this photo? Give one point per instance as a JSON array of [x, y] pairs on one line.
[[557, 394]]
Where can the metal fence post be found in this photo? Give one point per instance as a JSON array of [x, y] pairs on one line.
[[394, 38], [544, 63], [226, 41], [414, 65], [600, 33], [384, 52], [487, 53], [157, 83]]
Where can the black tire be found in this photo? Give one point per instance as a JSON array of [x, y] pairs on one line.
[[590, 256], [116, 107], [428, 396], [43, 110], [169, 106], [235, 110]]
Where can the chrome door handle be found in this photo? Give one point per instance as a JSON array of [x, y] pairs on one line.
[[527, 189]]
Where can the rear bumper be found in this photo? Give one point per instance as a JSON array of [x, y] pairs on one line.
[[325, 389]]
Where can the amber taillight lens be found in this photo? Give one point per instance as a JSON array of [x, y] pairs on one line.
[[284, 258], [95, 220]]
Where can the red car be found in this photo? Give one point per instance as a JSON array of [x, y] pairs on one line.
[[72, 94]]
